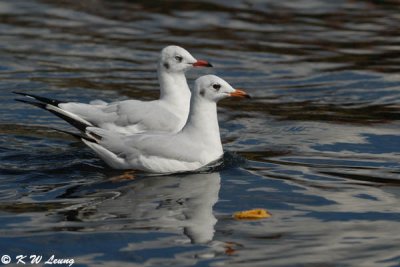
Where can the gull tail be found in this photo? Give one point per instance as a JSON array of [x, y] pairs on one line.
[[74, 120], [79, 136], [109, 157]]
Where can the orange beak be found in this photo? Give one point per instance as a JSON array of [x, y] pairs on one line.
[[239, 93], [202, 63]]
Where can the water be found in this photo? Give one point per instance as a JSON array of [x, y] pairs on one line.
[[317, 146]]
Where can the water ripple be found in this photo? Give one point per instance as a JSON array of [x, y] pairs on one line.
[[317, 145]]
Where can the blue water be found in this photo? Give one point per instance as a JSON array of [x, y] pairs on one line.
[[317, 146]]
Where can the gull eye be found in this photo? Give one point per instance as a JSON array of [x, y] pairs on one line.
[[178, 58], [216, 86]]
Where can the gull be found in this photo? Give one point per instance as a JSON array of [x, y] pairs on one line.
[[166, 114], [196, 145]]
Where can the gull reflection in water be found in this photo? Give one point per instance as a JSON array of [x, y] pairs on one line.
[[174, 202]]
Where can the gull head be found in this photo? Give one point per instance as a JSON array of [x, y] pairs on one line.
[[213, 88], [176, 59]]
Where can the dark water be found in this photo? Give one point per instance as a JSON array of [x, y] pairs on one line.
[[320, 136]]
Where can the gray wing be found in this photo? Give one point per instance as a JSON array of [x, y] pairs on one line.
[[169, 146], [136, 116]]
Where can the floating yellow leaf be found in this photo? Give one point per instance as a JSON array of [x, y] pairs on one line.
[[253, 214]]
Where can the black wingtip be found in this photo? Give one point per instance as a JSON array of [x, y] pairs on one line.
[[46, 100], [76, 123], [37, 104]]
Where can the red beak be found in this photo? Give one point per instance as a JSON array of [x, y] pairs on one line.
[[240, 93], [202, 63]]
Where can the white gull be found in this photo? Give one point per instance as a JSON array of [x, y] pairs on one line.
[[195, 146], [166, 114]]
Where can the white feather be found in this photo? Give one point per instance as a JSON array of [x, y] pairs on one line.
[[195, 146]]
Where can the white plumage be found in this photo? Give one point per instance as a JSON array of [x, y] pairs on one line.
[[195, 146], [166, 114]]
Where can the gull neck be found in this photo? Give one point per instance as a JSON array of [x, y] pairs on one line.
[[173, 88], [203, 122]]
